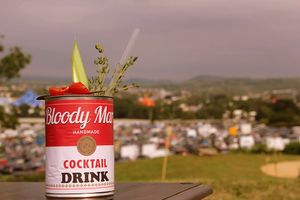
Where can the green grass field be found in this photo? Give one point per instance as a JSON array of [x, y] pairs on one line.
[[232, 176]]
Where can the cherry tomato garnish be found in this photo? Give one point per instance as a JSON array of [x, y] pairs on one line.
[[78, 88], [55, 91]]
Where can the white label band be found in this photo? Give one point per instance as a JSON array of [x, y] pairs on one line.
[[68, 171]]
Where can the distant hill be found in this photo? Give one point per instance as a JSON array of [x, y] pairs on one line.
[[65, 81], [197, 85], [148, 82], [214, 84]]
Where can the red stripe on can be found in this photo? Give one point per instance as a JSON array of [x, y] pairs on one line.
[[68, 120]]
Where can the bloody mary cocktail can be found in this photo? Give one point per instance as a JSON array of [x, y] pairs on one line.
[[79, 146]]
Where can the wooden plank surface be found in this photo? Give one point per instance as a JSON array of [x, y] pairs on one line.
[[124, 191]]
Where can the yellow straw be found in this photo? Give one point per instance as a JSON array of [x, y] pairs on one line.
[[78, 71]]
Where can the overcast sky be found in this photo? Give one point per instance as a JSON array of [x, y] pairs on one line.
[[178, 40]]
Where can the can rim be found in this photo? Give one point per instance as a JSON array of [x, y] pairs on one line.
[[48, 97]]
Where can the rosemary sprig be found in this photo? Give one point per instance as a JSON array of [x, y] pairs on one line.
[[132, 85], [97, 85], [118, 75]]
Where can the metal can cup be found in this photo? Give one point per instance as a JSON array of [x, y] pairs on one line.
[[79, 146]]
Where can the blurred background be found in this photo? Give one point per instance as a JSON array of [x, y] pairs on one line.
[[219, 97]]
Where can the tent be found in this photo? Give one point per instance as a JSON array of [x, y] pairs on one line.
[[29, 98]]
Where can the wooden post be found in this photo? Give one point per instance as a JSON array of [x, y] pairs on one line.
[[165, 160], [150, 114]]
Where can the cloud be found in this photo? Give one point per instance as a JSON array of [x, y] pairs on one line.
[[179, 39]]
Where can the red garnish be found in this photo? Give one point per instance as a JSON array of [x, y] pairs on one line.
[[55, 91], [78, 88], [74, 88]]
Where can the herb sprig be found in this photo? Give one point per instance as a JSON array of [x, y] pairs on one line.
[[97, 84]]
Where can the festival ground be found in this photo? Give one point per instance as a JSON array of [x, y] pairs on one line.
[[232, 176]]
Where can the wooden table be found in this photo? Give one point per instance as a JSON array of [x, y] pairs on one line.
[[124, 191]]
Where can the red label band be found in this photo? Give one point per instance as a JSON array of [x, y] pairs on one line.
[[67, 121]]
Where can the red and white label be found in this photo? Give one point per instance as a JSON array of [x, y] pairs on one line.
[[79, 146]]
